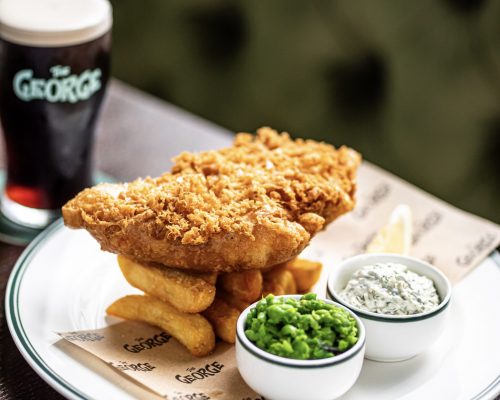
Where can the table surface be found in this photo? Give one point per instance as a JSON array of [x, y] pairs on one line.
[[137, 136]]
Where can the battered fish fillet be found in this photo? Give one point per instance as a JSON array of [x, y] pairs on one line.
[[252, 205]]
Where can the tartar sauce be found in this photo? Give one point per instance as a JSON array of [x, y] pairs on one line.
[[390, 288]]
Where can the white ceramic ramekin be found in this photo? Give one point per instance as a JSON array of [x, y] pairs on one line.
[[394, 337], [280, 378]]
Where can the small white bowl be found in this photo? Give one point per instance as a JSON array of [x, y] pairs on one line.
[[394, 337], [280, 378]]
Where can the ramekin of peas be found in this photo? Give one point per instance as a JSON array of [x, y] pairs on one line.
[[302, 329], [296, 347]]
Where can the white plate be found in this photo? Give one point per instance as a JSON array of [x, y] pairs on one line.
[[63, 282]]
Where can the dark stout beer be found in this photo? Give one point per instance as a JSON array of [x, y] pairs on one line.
[[51, 90]]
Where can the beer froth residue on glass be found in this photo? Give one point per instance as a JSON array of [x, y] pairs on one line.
[[54, 68]]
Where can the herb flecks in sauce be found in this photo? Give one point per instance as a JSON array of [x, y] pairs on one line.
[[302, 329], [390, 288]]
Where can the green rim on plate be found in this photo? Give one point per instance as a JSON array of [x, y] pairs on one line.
[[15, 324], [28, 351]]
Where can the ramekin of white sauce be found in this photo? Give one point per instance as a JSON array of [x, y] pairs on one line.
[[402, 301], [390, 288]]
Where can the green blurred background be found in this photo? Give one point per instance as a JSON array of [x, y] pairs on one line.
[[413, 85]]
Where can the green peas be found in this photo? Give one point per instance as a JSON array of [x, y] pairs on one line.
[[301, 350], [309, 296], [302, 329], [343, 344], [289, 330]]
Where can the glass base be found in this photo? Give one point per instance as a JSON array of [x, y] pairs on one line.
[[17, 233], [27, 216]]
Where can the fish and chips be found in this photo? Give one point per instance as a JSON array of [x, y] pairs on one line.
[[219, 231]]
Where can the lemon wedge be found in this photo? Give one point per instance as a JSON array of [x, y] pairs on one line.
[[396, 236]]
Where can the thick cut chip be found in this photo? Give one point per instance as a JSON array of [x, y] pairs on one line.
[[272, 287], [192, 330], [188, 292], [234, 301], [223, 317], [245, 285], [225, 310], [305, 272], [279, 278]]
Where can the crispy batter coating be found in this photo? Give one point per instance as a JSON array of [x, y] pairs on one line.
[[252, 205]]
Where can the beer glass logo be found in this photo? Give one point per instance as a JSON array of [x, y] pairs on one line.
[[61, 88]]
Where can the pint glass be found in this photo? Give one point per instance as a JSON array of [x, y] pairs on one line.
[[54, 66]]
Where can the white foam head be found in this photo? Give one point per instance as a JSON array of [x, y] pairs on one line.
[[45, 23]]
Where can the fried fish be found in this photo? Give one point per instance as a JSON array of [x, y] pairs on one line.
[[255, 204]]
